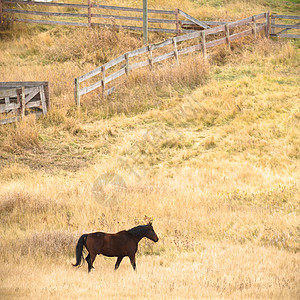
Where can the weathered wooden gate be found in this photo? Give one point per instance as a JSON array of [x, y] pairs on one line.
[[18, 99]]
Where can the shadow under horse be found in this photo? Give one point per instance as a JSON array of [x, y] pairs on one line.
[[120, 244]]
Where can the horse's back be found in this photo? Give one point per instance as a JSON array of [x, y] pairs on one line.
[[111, 244]]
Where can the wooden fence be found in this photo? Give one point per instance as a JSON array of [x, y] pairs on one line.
[[284, 28], [206, 41], [88, 15], [20, 98]]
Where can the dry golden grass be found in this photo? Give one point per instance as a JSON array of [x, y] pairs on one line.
[[216, 146]]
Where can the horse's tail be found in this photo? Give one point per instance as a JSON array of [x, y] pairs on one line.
[[79, 249]]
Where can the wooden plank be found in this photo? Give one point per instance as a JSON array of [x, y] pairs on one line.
[[138, 28], [163, 57], [209, 23], [292, 36], [27, 84], [7, 101], [9, 120], [216, 42], [35, 3], [8, 93], [43, 13], [282, 31], [197, 22], [110, 91], [246, 20], [215, 30], [90, 88], [154, 11], [189, 36], [31, 94], [162, 44], [285, 17], [43, 99], [34, 104], [115, 75], [150, 20], [7, 107], [240, 35], [99, 69], [296, 26], [190, 49], [47, 22], [137, 52], [139, 65]]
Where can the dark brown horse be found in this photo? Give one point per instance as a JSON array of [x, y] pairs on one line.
[[121, 244]]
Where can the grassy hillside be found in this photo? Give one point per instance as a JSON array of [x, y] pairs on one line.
[[209, 151]]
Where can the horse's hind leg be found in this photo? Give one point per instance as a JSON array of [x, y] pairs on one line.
[[90, 265], [118, 262]]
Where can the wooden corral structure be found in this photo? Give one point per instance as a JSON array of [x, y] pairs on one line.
[[200, 40], [284, 30], [18, 99]]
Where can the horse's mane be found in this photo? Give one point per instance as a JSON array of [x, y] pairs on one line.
[[138, 230]]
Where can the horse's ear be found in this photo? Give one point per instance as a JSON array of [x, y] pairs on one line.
[[150, 223]]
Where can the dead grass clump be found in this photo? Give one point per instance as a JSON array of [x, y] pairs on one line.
[[145, 89], [14, 172], [92, 45], [22, 202], [23, 137], [46, 243], [54, 117]]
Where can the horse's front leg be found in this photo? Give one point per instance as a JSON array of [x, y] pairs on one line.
[[118, 262], [132, 260]]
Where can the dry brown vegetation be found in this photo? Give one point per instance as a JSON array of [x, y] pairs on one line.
[[212, 156]]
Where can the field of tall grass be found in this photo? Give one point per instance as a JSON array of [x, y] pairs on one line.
[[209, 151]]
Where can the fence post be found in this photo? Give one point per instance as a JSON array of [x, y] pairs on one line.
[[175, 51], [21, 101], [227, 36], [76, 92], [254, 26], [150, 57], [204, 45], [103, 81], [267, 32], [177, 21], [145, 21], [1, 12], [89, 13], [126, 63], [273, 20]]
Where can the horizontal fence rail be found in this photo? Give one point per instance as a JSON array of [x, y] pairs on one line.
[[205, 37], [280, 30], [20, 98], [90, 14]]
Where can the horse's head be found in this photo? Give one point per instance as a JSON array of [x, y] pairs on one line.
[[150, 233]]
